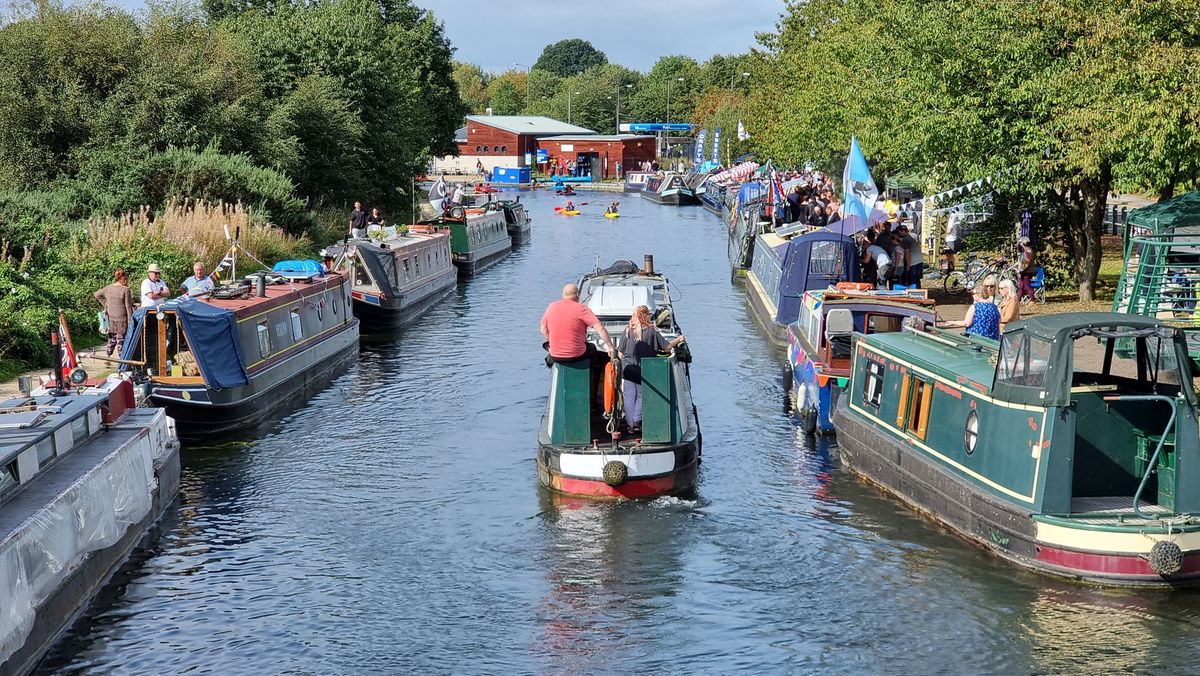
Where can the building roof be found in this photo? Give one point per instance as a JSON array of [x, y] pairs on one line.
[[597, 137], [528, 124], [460, 135]]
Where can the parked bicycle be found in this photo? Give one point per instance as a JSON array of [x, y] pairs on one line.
[[974, 271]]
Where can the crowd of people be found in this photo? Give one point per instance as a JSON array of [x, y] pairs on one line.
[[891, 255], [360, 221], [118, 305]]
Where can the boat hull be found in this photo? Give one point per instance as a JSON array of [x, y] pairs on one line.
[[474, 262], [677, 198], [202, 413], [999, 527], [390, 314], [764, 311], [579, 471]]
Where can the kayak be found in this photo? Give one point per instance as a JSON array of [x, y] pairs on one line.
[[573, 212], [611, 214]]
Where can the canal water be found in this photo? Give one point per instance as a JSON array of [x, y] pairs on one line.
[[394, 524]]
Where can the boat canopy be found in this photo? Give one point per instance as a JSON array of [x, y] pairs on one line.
[[818, 260], [1170, 216], [1035, 365], [381, 263], [212, 334]]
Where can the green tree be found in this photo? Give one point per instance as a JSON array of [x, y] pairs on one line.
[[506, 100], [569, 57], [592, 101], [472, 86], [662, 94], [1027, 91], [328, 158]]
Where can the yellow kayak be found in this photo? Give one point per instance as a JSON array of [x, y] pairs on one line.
[[611, 214], [573, 212]]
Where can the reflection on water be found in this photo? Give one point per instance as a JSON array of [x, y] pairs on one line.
[[393, 523]]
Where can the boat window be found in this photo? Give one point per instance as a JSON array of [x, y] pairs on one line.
[[428, 261], [913, 412], [297, 327], [45, 451], [503, 149], [873, 384], [335, 305], [8, 477], [264, 340], [79, 429], [825, 258], [1023, 361], [321, 310], [406, 270], [478, 149], [417, 265], [971, 436], [883, 324]]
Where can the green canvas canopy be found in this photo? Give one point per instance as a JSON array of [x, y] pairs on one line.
[[1182, 211]]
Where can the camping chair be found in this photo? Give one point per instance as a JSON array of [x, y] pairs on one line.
[[839, 332]]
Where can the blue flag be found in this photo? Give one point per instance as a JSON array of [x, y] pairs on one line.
[[716, 155], [858, 188], [698, 155]]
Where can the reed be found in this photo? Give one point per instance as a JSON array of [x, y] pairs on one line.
[[196, 227]]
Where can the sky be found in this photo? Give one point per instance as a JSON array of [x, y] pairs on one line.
[[633, 33]]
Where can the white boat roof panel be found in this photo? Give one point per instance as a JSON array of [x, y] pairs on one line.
[[619, 301]]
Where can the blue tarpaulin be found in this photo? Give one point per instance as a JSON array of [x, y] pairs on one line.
[[212, 336], [298, 268]]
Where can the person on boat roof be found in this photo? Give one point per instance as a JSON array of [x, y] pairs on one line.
[[565, 324], [641, 339], [612, 208], [982, 318]]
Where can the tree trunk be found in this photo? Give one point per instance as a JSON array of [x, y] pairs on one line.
[[1083, 204]]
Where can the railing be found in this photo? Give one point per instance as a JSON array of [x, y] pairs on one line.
[[1152, 464], [1115, 217]]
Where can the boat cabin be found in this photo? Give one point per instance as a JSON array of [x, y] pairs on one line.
[[785, 267], [1073, 415]]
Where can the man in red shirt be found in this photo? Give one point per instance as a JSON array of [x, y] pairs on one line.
[[565, 324]]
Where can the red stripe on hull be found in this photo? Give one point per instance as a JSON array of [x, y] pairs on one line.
[[634, 489], [1112, 565]]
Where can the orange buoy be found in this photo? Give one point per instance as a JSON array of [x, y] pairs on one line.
[[610, 388]]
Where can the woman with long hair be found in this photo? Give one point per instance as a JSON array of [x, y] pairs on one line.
[[640, 339], [117, 300]]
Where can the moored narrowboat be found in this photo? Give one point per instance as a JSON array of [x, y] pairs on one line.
[[668, 188], [635, 181], [1069, 447], [584, 448], [478, 237], [398, 278], [517, 217], [784, 267], [819, 341], [229, 361]]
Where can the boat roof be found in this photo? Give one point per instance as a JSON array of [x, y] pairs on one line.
[[1052, 326], [277, 294], [968, 359], [619, 300]]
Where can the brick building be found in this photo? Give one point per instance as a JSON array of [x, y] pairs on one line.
[[598, 156], [502, 141]]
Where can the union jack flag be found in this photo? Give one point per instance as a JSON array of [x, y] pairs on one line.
[[69, 361]]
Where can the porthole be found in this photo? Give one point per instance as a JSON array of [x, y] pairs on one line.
[[503, 149], [478, 149], [972, 434]]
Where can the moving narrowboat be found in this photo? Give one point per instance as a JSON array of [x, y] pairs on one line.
[[478, 237], [1069, 447], [517, 218], [784, 267], [398, 278], [819, 341], [668, 188], [229, 361], [584, 448]]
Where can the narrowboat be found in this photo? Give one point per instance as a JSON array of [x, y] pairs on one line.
[[584, 448], [478, 237], [784, 267], [396, 279], [85, 473], [635, 181], [712, 196], [517, 218], [746, 219], [668, 188], [1069, 447], [819, 341], [229, 361]]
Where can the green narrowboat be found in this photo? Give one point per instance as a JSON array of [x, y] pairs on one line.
[[478, 237], [1069, 447]]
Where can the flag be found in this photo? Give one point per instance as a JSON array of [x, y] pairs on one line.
[[437, 194], [742, 135], [716, 153], [698, 155], [859, 191], [69, 360]]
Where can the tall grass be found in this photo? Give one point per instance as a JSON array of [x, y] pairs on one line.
[[195, 227]]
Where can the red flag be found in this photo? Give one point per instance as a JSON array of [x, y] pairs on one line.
[[69, 361]]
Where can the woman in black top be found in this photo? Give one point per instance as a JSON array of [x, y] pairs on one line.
[[640, 339], [375, 218]]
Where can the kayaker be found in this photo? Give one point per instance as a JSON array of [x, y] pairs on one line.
[[640, 339], [612, 208], [570, 206], [565, 324]]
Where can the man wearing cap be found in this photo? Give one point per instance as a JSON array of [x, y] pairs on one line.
[[154, 289]]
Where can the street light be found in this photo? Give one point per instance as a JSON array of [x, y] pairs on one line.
[[628, 86], [569, 106], [669, 83], [527, 69], [732, 76]]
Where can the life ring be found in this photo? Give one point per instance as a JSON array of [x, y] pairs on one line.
[[610, 388], [458, 213]]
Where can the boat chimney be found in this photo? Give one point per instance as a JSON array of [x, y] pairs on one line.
[[260, 285], [648, 264]]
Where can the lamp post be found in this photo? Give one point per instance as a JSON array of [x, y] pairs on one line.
[[569, 106], [731, 77], [617, 129], [527, 69], [667, 134]]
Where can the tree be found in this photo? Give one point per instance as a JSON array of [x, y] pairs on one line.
[[650, 102], [569, 57], [718, 108], [472, 86], [1027, 92], [506, 100]]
